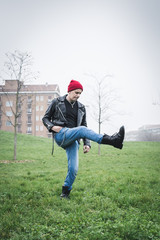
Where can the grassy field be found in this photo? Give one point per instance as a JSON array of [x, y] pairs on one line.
[[116, 196]]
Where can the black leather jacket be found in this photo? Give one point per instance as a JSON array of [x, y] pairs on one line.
[[56, 115]]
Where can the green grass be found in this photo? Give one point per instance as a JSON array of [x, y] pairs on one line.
[[116, 196]]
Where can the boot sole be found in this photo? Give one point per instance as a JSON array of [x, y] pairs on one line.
[[122, 133]]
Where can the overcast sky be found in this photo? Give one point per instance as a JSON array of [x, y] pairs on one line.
[[69, 39]]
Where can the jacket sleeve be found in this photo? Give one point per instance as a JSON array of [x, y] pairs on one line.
[[47, 119], [84, 123]]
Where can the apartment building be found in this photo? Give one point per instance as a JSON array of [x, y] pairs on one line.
[[33, 100], [144, 133]]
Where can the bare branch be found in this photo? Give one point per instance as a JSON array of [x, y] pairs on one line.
[[17, 66], [104, 98]]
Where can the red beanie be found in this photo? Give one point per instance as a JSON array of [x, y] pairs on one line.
[[74, 85]]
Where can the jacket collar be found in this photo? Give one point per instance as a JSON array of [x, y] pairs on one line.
[[62, 98]]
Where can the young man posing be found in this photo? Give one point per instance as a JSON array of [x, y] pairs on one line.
[[66, 118]]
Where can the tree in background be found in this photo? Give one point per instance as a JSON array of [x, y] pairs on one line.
[[156, 102], [102, 101], [17, 67]]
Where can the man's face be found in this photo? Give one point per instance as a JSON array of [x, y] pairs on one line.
[[74, 95]]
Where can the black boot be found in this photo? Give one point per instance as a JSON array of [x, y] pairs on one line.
[[65, 192], [115, 140]]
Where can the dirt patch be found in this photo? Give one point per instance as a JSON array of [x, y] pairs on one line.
[[16, 161]]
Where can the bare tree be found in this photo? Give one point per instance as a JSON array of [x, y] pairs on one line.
[[156, 102], [103, 96], [17, 67]]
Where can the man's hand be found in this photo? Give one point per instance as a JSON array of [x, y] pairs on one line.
[[86, 149], [56, 128]]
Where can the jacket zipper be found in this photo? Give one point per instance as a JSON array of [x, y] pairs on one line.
[[62, 114]]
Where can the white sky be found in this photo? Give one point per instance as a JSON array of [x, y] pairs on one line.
[[69, 38]]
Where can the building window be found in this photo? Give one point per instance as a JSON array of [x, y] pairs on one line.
[[37, 118], [29, 129], [29, 110], [41, 98], [29, 99], [37, 98], [19, 128], [49, 99], [9, 114], [8, 123], [41, 128], [41, 108], [19, 106], [37, 108], [37, 128], [29, 119], [41, 117], [29, 105], [19, 102], [19, 121], [49, 135], [9, 104]]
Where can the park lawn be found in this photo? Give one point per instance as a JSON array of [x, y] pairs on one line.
[[116, 195]]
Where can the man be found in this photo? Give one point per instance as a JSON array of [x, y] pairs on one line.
[[66, 118]]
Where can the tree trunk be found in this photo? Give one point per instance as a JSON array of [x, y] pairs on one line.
[[18, 67], [99, 121], [99, 145], [15, 118], [15, 143]]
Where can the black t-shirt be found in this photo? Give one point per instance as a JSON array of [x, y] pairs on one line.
[[71, 114]]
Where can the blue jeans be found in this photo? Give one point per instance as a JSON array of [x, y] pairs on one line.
[[67, 139]]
